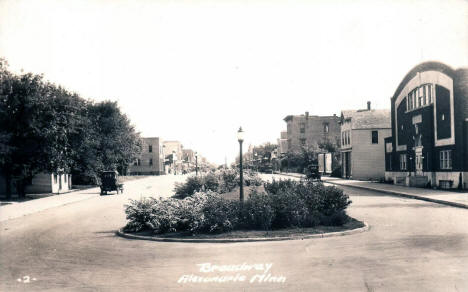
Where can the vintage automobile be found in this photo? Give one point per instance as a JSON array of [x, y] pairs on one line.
[[110, 182], [312, 172]]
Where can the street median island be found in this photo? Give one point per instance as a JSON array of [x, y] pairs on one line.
[[352, 227], [208, 209]]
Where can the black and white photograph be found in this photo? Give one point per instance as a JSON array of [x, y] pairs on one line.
[[233, 145]]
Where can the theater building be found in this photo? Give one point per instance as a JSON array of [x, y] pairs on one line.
[[428, 146]]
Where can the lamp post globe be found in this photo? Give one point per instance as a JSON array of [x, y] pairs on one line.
[[240, 138]]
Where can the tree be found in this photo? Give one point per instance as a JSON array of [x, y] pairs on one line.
[[45, 128], [110, 142], [300, 160], [35, 119]]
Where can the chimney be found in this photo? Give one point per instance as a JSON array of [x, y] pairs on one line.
[[307, 115], [368, 106]]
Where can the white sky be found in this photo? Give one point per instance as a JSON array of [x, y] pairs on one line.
[[194, 71]]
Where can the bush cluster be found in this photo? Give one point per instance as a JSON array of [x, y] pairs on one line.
[[284, 204], [204, 212], [220, 181], [307, 203]]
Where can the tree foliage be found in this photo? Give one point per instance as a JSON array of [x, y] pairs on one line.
[[299, 160], [45, 128]]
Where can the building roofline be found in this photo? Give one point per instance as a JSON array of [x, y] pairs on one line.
[[290, 117], [426, 66]]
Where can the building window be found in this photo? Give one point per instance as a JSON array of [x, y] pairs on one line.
[[55, 178], [446, 159], [375, 137], [151, 161], [302, 141], [429, 93], [138, 162], [302, 128], [348, 137], [325, 128], [419, 97], [402, 161], [342, 138], [150, 148]]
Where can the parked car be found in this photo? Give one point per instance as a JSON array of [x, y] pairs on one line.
[[312, 172]]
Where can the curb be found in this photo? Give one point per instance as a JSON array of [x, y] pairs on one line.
[[398, 194], [121, 233]]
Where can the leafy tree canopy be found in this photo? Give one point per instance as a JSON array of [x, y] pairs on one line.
[[45, 128]]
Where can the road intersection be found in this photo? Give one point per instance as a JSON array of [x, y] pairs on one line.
[[411, 246]]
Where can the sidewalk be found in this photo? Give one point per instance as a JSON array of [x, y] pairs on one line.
[[453, 199], [39, 202], [19, 209]]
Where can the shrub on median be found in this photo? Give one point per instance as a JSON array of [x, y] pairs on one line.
[[285, 204], [192, 185], [257, 212], [202, 212], [221, 181], [306, 203]]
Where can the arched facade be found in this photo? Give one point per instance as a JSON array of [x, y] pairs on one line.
[[429, 111]]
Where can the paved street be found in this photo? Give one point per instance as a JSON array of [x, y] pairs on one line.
[[411, 246]]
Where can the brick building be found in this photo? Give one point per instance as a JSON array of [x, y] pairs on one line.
[[429, 140], [151, 160], [362, 139], [309, 131]]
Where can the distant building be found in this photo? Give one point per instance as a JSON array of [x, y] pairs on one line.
[[429, 140], [188, 156], [188, 159], [283, 143], [174, 156], [362, 142], [305, 131], [151, 160]]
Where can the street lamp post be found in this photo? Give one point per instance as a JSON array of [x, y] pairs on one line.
[[174, 162], [256, 162], [196, 163], [240, 138]]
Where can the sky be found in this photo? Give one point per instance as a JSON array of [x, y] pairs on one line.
[[195, 71]]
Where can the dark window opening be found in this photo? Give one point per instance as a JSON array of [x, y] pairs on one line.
[[302, 128], [375, 137]]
